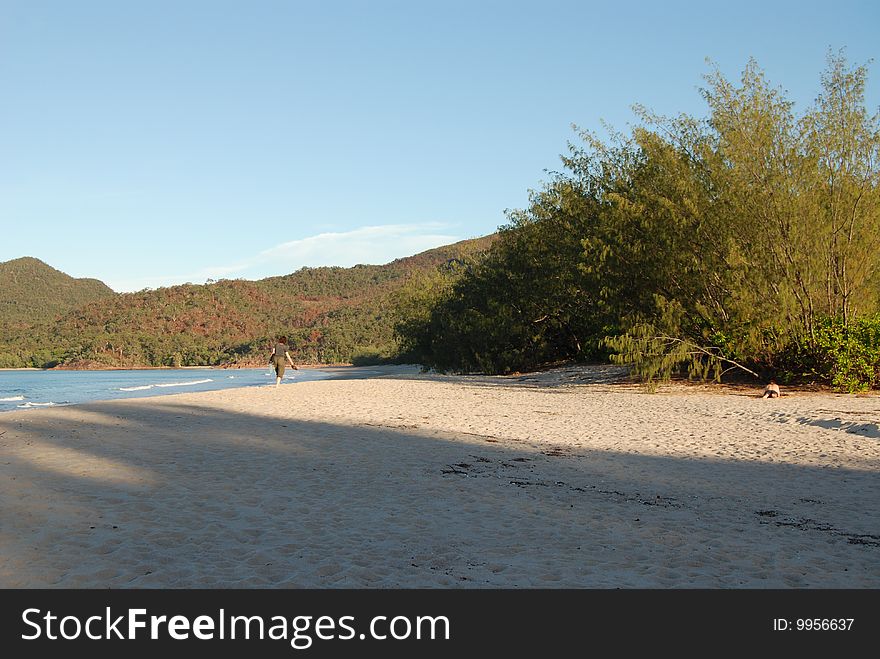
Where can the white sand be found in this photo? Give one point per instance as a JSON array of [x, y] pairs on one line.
[[416, 481]]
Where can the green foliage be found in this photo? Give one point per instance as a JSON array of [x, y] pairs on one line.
[[691, 245], [370, 357], [519, 306], [790, 220], [655, 350], [849, 354], [32, 292], [331, 315]]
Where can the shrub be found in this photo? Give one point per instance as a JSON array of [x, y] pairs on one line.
[[849, 356], [368, 357]]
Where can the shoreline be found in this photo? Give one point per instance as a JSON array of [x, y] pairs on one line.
[[563, 372], [612, 376], [332, 372], [172, 368]]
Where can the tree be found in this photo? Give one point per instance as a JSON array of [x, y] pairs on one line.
[[697, 244]]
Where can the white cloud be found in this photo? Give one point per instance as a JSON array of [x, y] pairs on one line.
[[367, 245]]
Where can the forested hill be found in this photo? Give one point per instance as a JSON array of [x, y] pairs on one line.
[[32, 292], [331, 314]]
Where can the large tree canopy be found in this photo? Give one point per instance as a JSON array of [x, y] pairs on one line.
[[735, 240]]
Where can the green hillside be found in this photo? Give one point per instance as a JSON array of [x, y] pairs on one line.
[[33, 292], [331, 314]]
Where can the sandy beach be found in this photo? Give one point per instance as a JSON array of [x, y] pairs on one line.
[[390, 478]]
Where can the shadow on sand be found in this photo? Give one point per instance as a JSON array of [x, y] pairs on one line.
[[124, 494]]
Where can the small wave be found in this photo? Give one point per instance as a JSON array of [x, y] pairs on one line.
[[144, 387], [29, 405], [185, 384], [11, 399]]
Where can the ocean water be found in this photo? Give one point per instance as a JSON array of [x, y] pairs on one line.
[[21, 390]]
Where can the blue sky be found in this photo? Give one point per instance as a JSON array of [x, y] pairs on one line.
[[152, 143]]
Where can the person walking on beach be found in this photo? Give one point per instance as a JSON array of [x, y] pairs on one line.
[[279, 354]]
